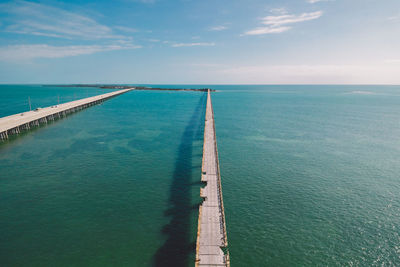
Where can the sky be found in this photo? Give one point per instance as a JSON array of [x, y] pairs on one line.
[[200, 41]]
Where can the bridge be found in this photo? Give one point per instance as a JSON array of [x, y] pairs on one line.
[[211, 233], [16, 123]]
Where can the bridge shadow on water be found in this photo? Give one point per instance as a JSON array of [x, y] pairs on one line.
[[179, 245]]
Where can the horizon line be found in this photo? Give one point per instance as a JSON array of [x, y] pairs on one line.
[[387, 84]]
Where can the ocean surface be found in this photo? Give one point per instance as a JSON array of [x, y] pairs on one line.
[[310, 176]]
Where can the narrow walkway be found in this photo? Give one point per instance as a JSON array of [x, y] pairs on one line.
[[211, 235], [24, 121]]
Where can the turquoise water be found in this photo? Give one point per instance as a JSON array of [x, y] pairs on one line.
[[310, 177]]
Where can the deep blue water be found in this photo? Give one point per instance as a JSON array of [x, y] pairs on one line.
[[310, 177]]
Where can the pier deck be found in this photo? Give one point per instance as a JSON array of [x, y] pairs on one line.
[[211, 235], [23, 121]]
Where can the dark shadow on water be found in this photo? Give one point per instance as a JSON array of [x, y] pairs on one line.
[[179, 246], [199, 183]]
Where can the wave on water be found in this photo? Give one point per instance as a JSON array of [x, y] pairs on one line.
[[369, 93], [362, 92], [261, 138]]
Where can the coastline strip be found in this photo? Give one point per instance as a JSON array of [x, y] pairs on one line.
[[16, 123], [105, 86], [211, 235]]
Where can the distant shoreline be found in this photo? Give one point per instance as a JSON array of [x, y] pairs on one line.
[[102, 86]]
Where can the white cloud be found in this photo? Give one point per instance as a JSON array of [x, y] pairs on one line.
[[394, 17], [126, 29], [266, 30], [274, 23], [289, 19], [218, 28], [392, 61], [316, 1], [40, 19], [278, 11], [32, 51], [192, 44]]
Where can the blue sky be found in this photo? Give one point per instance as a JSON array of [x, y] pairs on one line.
[[201, 41]]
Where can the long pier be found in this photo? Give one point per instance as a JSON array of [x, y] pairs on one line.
[[211, 246], [16, 123]]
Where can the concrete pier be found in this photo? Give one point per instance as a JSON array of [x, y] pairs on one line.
[[14, 124], [211, 234]]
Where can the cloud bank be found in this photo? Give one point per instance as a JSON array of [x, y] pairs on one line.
[[278, 24], [33, 51], [192, 44], [44, 20]]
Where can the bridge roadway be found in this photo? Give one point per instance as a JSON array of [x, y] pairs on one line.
[[14, 124], [211, 234]]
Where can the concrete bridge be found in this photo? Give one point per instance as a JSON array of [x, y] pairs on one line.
[[211, 247], [211, 234], [14, 124]]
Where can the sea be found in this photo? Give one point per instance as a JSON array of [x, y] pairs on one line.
[[310, 176]]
